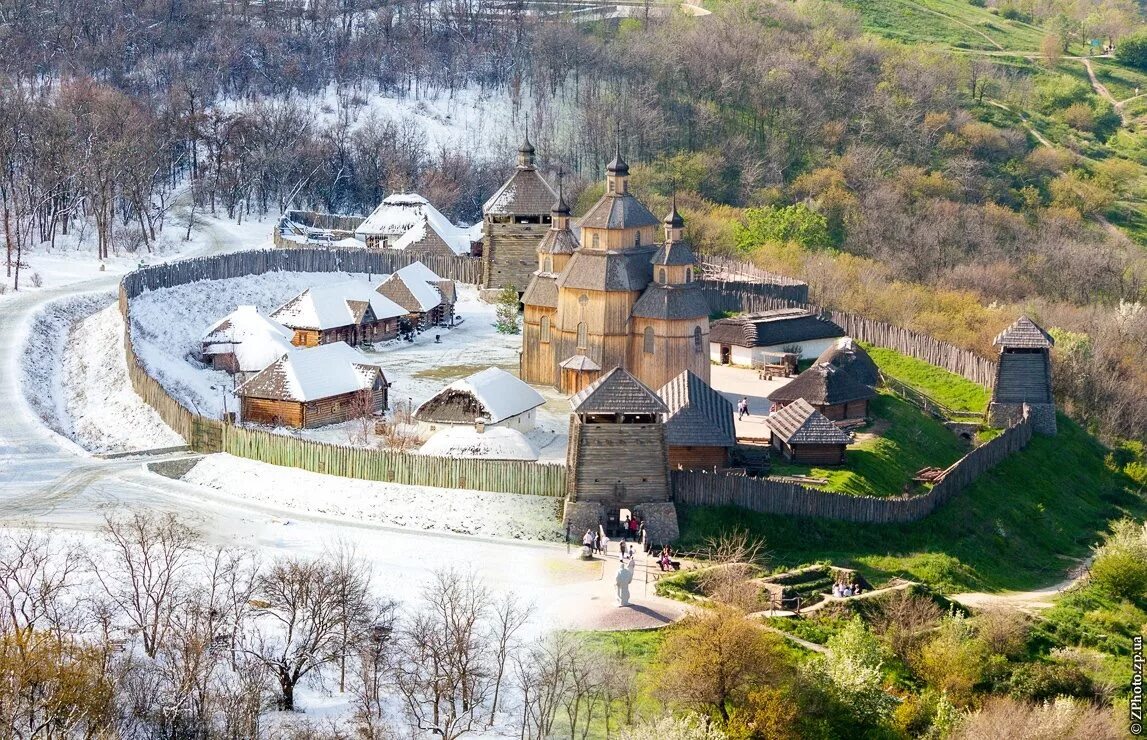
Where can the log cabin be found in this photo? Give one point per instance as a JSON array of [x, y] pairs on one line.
[[618, 296], [411, 220], [828, 389], [422, 303], [244, 342], [699, 428], [492, 397], [313, 387], [350, 311], [758, 339], [804, 435], [447, 291]]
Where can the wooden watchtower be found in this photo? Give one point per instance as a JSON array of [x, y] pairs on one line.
[[1023, 377], [618, 458]]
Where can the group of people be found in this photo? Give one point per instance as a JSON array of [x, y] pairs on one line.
[[665, 560], [633, 529], [593, 543], [842, 589]]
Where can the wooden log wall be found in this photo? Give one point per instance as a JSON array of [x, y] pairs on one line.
[[744, 297], [212, 435], [698, 488], [509, 476]]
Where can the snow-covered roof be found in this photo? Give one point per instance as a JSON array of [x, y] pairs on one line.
[[313, 373], [407, 216], [349, 241], [338, 304], [495, 443], [492, 395], [256, 340], [419, 271], [414, 295]]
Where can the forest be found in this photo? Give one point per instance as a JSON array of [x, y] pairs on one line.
[[904, 181]]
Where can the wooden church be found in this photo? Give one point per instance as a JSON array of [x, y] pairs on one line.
[[622, 295]]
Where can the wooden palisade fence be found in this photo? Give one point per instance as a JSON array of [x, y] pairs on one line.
[[792, 499], [212, 435]]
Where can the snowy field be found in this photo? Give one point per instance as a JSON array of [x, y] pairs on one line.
[[169, 323], [476, 513]]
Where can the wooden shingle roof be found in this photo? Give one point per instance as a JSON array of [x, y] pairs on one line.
[[772, 328], [558, 241], [618, 211], [526, 193], [542, 291], [1024, 334], [674, 253], [314, 373], [672, 302], [617, 392], [629, 270], [799, 423], [845, 354], [698, 415], [823, 385]]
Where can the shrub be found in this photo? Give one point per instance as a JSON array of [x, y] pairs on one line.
[[1044, 681], [1132, 50], [797, 224], [1080, 116], [1120, 565], [37, 280], [977, 3]]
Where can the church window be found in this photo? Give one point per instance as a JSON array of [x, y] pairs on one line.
[[688, 276], [611, 186], [649, 340], [549, 265], [697, 340], [637, 239], [545, 329], [661, 275], [596, 241], [582, 335]]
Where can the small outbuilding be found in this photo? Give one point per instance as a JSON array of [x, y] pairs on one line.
[[350, 311], [447, 289], [244, 342], [699, 430], [407, 221], [422, 303], [829, 390], [804, 435], [490, 443], [492, 397], [755, 340], [845, 354], [312, 387]]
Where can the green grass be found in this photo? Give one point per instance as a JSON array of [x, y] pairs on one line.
[[883, 466], [1007, 531], [954, 391], [955, 23]]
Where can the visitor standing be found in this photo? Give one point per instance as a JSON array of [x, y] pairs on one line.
[[742, 409]]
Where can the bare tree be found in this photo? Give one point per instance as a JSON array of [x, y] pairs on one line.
[[509, 615], [542, 677], [147, 578]]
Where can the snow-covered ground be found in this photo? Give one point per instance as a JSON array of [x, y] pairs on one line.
[[480, 513], [169, 323]]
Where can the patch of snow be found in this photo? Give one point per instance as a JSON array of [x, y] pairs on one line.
[[481, 513], [105, 413], [495, 443]]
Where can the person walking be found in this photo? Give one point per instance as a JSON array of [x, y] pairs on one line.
[[742, 409]]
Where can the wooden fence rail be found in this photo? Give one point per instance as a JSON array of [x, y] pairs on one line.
[[212, 435], [697, 488]]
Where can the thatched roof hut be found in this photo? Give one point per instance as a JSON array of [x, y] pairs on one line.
[[845, 354]]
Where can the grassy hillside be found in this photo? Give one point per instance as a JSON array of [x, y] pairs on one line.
[[954, 391], [1016, 528], [955, 23]]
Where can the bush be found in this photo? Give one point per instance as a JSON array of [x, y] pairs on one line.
[[977, 3], [1044, 681], [37, 280], [797, 224], [1120, 565], [1132, 50]]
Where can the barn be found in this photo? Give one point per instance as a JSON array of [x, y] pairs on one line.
[[244, 342], [312, 387], [491, 443], [828, 389], [493, 397], [763, 338], [699, 426], [349, 311], [804, 435]]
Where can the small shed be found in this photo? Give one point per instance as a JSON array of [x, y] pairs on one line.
[[312, 387], [845, 354], [446, 288], [412, 219], [829, 390], [491, 443], [421, 302], [804, 435], [350, 311], [699, 428], [493, 397], [753, 340], [244, 342]]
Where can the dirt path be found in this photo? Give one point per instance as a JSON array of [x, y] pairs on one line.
[[957, 21], [1103, 92], [1039, 137], [1040, 598]]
